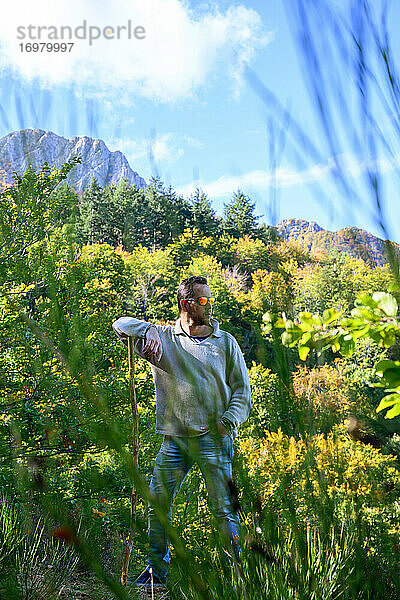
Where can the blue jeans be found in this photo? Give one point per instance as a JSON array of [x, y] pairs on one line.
[[177, 455]]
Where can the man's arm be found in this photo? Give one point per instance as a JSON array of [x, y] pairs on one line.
[[147, 340], [240, 402]]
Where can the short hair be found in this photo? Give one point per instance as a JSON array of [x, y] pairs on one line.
[[186, 287]]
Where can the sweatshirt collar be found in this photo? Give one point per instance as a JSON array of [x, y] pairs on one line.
[[215, 325]]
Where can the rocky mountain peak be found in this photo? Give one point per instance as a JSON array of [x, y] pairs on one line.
[[33, 147], [293, 228]]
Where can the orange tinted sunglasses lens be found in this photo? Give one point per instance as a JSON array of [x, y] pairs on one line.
[[203, 300]]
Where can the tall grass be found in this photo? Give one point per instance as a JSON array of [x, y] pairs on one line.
[[32, 563]]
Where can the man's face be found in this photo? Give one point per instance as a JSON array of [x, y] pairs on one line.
[[200, 315]]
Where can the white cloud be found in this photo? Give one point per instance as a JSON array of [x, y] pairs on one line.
[[257, 179], [182, 51], [286, 177], [166, 148], [193, 142]]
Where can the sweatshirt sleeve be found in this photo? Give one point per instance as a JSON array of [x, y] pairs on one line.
[[239, 383], [130, 327]]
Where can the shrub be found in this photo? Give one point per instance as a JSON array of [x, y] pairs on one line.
[[317, 476]]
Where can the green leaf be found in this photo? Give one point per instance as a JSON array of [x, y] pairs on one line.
[[347, 346], [330, 314], [361, 332], [266, 328], [305, 338], [391, 377], [365, 300], [388, 339], [280, 323], [393, 412], [385, 364], [386, 302], [388, 401], [286, 338], [308, 321], [365, 314], [303, 352]]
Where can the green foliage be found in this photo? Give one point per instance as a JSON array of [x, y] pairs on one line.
[[389, 372], [320, 286], [29, 212], [65, 421], [251, 254], [239, 218], [32, 565], [317, 470], [191, 244], [116, 215], [265, 398], [322, 398], [168, 214], [374, 317], [269, 292], [203, 216], [152, 283]]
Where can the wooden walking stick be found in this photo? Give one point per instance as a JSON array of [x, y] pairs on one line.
[[135, 457]]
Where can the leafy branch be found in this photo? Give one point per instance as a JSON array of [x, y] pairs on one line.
[[374, 317]]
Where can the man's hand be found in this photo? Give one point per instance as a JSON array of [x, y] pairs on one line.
[[153, 345], [221, 429]]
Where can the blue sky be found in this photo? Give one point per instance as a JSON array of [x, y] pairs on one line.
[[184, 91]]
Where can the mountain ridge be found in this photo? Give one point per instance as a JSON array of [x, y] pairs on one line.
[[20, 149], [353, 241]]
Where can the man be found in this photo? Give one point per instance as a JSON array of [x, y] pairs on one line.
[[202, 397]]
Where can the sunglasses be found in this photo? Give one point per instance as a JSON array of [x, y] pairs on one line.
[[202, 300]]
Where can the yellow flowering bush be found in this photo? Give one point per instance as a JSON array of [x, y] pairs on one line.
[[265, 411], [317, 470], [322, 397]]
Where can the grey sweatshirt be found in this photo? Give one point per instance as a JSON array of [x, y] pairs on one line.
[[197, 383]]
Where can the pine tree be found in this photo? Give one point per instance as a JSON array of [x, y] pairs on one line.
[[239, 218], [68, 201], [130, 216], [169, 213], [202, 214], [91, 213], [267, 234]]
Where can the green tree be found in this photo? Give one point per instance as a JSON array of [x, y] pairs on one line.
[[67, 199], [30, 211], [152, 283], [267, 234], [131, 210], [192, 243], [92, 214], [251, 254], [202, 214], [239, 218], [162, 214], [323, 285]]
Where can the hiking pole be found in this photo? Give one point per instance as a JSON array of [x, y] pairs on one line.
[[135, 457]]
